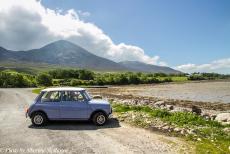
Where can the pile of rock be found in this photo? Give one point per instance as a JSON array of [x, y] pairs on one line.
[[224, 118], [154, 123]]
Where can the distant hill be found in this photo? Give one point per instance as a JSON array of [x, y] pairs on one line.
[[66, 54], [62, 53], [143, 67]]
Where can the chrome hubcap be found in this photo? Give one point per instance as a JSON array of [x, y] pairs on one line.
[[38, 119], [101, 119]]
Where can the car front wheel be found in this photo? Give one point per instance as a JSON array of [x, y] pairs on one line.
[[39, 119], [99, 119]]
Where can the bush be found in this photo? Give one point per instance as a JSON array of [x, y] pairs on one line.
[[44, 79], [196, 77], [14, 79], [168, 79], [75, 82]]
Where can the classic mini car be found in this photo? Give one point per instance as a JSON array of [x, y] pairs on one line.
[[68, 103]]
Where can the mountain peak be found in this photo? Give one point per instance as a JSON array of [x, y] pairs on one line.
[[60, 44], [66, 53]]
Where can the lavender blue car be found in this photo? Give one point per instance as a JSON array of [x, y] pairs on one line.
[[68, 103]]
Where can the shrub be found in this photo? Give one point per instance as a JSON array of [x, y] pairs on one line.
[[196, 77], [75, 82], [44, 79], [14, 79]]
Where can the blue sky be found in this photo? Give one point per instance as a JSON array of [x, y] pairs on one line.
[[188, 35], [179, 31]]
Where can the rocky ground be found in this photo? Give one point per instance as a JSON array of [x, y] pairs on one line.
[[136, 95]]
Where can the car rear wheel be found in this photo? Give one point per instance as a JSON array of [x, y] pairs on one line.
[[99, 118], [39, 119]]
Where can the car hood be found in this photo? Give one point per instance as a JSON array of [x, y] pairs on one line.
[[98, 101]]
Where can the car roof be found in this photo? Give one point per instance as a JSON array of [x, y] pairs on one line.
[[64, 89]]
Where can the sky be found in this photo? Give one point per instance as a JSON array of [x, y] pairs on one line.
[[188, 35]]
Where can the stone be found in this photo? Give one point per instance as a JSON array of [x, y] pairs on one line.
[[213, 116], [227, 130], [133, 116], [148, 121], [223, 117], [135, 101], [166, 128], [206, 116], [191, 131], [183, 132], [169, 107], [177, 129], [145, 102], [196, 110], [159, 103]]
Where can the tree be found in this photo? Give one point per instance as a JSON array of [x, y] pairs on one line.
[[133, 79], [44, 79], [86, 75]]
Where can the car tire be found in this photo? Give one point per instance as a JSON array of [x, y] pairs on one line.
[[99, 118], [39, 119]]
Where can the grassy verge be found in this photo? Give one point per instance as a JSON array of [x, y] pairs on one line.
[[37, 90], [209, 136]]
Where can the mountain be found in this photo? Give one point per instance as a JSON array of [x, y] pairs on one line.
[[143, 67], [66, 54], [62, 53]]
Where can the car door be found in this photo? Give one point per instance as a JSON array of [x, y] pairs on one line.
[[74, 105], [50, 102]]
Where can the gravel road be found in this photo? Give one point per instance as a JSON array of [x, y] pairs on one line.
[[17, 135]]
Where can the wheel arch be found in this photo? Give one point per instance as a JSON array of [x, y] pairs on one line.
[[96, 111], [41, 111]]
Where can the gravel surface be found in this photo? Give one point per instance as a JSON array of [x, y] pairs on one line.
[[17, 135]]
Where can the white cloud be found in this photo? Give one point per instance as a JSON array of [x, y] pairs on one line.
[[220, 66], [83, 13], [27, 24]]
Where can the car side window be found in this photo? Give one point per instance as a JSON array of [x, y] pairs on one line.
[[51, 96], [72, 96]]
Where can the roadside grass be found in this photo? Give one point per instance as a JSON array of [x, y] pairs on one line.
[[177, 118], [37, 90], [212, 138]]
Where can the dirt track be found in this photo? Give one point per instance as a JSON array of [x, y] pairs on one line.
[[18, 136]]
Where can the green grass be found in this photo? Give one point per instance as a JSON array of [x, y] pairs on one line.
[[179, 78], [174, 78], [177, 118], [213, 138], [37, 90]]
